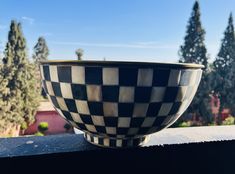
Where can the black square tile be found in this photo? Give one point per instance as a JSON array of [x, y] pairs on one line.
[[158, 121], [160, 77], [128, 76], [79, 91], [81, 126], [64, 74], [137, 121], [110, 93], [46, 73], [143, 130], [93, 75], [111, 121], [171, 94], [86, 119], [143, 94], [153, 109], [54, 101], [96, 108], [101, 141], [100, 129], [122, 131], [56, 89], [175, 108], [112, 142], [67, 115], [125, 109], [71, 105]]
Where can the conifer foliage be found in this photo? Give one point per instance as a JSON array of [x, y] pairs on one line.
[[224, 68], [194, 51], [41, 50], [19, 98]]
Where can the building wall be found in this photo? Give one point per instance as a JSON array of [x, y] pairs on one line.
[[55, 123]]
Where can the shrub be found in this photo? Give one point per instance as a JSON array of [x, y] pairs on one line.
[[229, 121], [43, 126], [39, 134], [185, 124], [67, 126]]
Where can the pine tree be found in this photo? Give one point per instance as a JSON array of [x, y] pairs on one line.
[[194, 51], [41, 50], [79, 53], [19, 97], [223, 66], [230, 88], [41, 53]]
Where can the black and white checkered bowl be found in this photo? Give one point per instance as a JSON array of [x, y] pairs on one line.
[[117, 104]]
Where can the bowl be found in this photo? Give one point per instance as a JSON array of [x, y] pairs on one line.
[[118, 104]]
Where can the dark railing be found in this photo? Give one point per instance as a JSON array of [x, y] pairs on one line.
[[177, 150]]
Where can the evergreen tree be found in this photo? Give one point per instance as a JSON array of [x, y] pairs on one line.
[[194, 51], [79, 53], [223, 66], [41, 53], [41, 50], [19, 97]]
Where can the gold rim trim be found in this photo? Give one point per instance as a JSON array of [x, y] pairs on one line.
[[99, 62]]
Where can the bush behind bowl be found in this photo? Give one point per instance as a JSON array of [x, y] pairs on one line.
[[118, 104]]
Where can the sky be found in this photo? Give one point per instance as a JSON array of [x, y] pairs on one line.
[[126, 30]]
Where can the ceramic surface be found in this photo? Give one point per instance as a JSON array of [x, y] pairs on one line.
[[118, 104]]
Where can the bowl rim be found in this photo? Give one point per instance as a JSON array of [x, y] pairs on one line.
[[122, 63]]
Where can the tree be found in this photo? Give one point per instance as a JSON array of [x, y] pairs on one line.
[[19, 97], [41, 50], [194, 51], [41, 53], [223, 66], [79, 52]]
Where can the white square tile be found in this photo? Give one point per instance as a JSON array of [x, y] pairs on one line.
[[126, 94], [82, 107], [106, 141], [42, 73], [50, 88], [110, 109], [124, 121], [119, 143], [145, 77], [94, 92], [111, 130], [76, 117], [98, 120], [157, 94], [181, 93], [96, 140], [174, 77], [90, 128], [165, 109], [78, 75], [148, 122], [62, 103], [140, 110], [66, 90], [110, 76], [53, 73]]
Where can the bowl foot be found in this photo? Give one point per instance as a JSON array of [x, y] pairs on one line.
[[111, 142]]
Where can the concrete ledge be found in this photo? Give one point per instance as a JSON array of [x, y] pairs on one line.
[[178, 150]]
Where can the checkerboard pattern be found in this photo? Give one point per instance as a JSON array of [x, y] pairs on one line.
[[119, 101]]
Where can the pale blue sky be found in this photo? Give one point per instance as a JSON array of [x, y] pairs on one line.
[[140, 30]]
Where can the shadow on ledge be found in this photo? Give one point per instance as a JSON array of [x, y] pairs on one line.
[[72, 153]]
